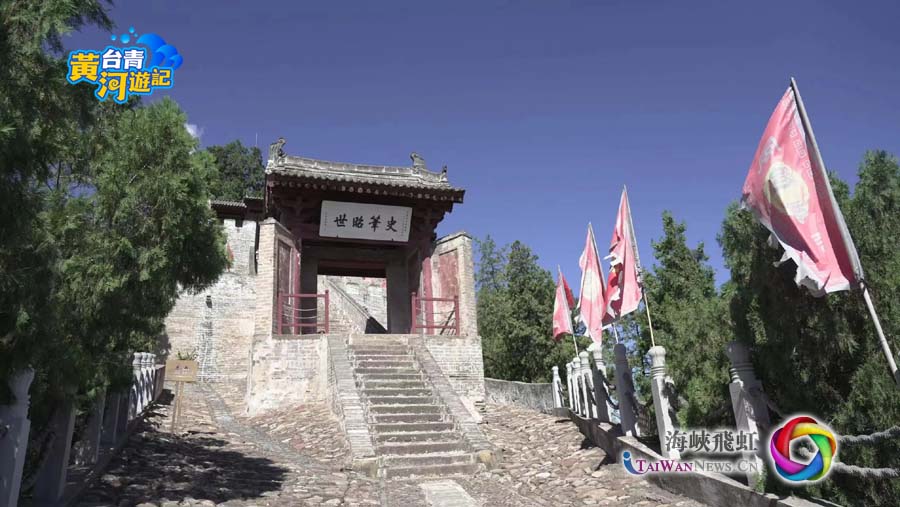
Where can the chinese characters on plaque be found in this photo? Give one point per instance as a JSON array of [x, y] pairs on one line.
[[365, 221]]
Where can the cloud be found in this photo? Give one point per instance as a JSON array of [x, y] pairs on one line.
[[194, 130]]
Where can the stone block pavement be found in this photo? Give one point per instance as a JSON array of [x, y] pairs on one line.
[[300, 457]]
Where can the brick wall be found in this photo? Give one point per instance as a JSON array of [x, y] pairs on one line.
[[218, 323], [370, 293], [453, 271], [459, 358]]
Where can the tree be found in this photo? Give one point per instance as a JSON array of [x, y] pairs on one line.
[[821, 355], [240, 171], [41, 117], [515, 307], [688, 322]]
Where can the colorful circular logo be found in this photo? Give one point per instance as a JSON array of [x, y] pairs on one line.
[[780, 450]]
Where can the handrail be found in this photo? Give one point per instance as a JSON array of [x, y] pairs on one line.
[[417, 308], [296, 322]]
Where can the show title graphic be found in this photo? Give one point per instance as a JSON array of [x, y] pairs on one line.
[[122, 71]]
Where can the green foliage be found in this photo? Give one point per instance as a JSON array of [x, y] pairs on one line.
[[105, 218], [186, 356], [241, 171], [515, 307], [41, 116], [821, 355], [688, 321]]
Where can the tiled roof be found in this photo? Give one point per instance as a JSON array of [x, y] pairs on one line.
[[398, 177], [227, 204]]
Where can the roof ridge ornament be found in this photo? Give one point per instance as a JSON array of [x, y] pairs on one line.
[[276, 151], [417, 161]]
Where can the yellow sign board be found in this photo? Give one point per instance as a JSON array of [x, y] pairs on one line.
[[182, 370]]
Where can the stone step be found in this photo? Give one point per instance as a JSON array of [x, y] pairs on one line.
[[403, 391], [408, 418], [384, 350], [431, 470], [417, 427], [381, 357], [389, 376], [394, 384], [402, 449], [385, 364], [412, 436], [405, 409], [419, 460], [401, 400], [371, 371]]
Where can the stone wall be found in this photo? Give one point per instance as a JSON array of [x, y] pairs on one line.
[[459, 358], [370, 293], [506, 392], [217, 323], [288, 370], [284, 369]]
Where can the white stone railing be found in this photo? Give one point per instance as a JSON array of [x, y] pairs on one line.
[[110, 417]]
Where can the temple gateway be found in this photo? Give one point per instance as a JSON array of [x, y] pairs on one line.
[[340, 291]]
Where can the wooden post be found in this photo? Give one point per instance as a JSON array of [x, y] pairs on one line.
[[180, 371]]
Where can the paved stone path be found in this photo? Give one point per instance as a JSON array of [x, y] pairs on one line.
[[299, 457]]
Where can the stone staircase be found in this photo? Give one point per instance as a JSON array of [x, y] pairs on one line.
[[413, 431]]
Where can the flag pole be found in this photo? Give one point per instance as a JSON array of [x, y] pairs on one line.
[[640, 270], [845, 235]]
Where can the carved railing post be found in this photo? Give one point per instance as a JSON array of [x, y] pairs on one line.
[[146, 379], [571, 392], [88, 449], [576, 384], [661, 403], [14, 428], [625, 393], [110, 431], [598, 371], [557, 386], [50, 484], [587, 390], [747, 400], [134, 397]]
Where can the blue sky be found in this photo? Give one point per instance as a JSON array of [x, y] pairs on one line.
[[541, 109]]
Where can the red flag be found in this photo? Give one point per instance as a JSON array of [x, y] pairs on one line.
[[623, 290], [789, 193], [562, 314], [591, 302]]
